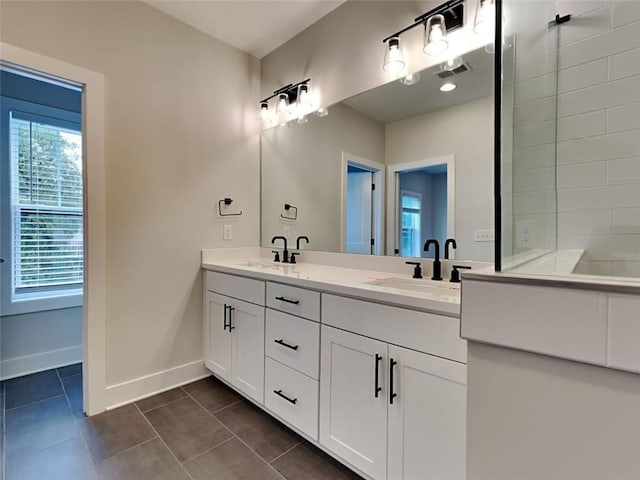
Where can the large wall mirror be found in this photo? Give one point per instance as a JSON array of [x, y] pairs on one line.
[[389, 168]]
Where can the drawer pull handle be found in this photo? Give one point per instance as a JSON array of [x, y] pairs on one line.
[[224, 321], [288, 300], [392, 394], [280, 341], [231, 327], [290, 400], [377, 388]]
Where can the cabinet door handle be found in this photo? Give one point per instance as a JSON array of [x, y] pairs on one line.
[[282, 395], [392, 394], [231, 327], [288, 300], [377, 388], [285, 344], [224, 321]]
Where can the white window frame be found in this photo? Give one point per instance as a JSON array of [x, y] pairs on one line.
[[46, 299]]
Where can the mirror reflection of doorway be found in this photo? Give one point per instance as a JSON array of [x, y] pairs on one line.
[[420, 205]]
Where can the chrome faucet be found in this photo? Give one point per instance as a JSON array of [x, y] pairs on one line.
[[437, 268], [285, 252]]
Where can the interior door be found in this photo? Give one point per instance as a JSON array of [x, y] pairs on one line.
[[427, 420], [353, 415], [217, 335], [359, 224]]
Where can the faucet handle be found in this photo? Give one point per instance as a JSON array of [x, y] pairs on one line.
[[417, 272], [277, 257], [455, 274], [292, 257]]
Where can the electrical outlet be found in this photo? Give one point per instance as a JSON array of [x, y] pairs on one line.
[[286, 231], [525, 233], [484, 235], [227, 232]]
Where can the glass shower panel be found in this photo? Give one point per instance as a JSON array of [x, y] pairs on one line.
[[528, 131]]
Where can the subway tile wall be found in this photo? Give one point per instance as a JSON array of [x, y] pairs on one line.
[[598, 164], [591, 176]]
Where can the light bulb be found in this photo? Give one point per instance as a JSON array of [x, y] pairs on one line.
[[485, 17], [393, 58], [283, 103], [264, 112], [305, 100], [435, 35]]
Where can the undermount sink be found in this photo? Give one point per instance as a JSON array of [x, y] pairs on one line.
[[264, 264], [418, 285]]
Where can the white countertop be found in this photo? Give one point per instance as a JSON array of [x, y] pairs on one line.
[[439, 297]]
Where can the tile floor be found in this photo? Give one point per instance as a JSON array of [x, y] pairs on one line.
[[203, 430]]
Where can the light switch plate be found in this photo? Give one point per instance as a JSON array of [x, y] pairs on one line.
[[484, 235]]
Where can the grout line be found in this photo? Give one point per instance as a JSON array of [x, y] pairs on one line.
[[224, 408], [33, 403], [232, 437], [287, 451], [4, 425], [160, 406], [163, 442], [236, 436]]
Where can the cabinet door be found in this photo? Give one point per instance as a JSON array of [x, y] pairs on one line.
[[217, 347], [427, 432], [247, 347], [353, 417]]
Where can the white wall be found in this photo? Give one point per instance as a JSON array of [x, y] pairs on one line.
[[430, 135], [302, 165], [599, 136], [39, 341], [181, 133]]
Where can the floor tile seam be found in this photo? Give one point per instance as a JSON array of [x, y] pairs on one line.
[[211, 448], [286, 451], [164, 443], [160, 406], [64, 389], [225, 407], [3, 443], [241, 441], [32, 403], [84, 441], [120, 452]]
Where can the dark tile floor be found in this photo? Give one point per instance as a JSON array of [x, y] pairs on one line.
[[203, 430]]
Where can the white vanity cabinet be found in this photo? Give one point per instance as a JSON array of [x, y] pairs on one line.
[[390, 411], [234, 332]]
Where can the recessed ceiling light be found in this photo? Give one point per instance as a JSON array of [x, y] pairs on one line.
[[410, 79], [447, 87]]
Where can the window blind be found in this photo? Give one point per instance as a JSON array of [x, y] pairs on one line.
[[46, 204]]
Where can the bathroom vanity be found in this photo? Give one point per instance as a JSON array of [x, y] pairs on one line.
[[367, 365]]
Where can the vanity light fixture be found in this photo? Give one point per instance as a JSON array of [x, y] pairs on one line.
[[292, 100], [448, 87], [451, 64], [437, 22]]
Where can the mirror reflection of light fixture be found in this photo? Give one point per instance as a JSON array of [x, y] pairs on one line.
[[485, 17], [321, 112], [448, 87], [292, 101], [437, 22], [393, 58], [435, 36], [410, 79]]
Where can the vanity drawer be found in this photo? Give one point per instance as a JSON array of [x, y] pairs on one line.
[[294, 300], [293, 341], [300, 407], [242, 288], [425, 332]]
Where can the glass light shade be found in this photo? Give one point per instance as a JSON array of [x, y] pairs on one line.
[[283, 103], [265, 114], [435, 36], [485, 17], [451, 64], [393, 57], [305, 100], [410, 79], [321, 112]]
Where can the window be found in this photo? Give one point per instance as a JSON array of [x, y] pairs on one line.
[[44, 242], [411, 206]]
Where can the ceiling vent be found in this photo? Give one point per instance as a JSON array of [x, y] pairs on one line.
[[465, 67]]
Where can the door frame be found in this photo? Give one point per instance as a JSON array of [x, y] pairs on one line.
[[377, 206], [94, 285], [393, 189]]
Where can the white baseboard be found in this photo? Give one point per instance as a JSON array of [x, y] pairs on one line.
[[142, 387], [19, 366]]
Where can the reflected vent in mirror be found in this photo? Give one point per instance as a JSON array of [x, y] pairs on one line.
[[465, 67]]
